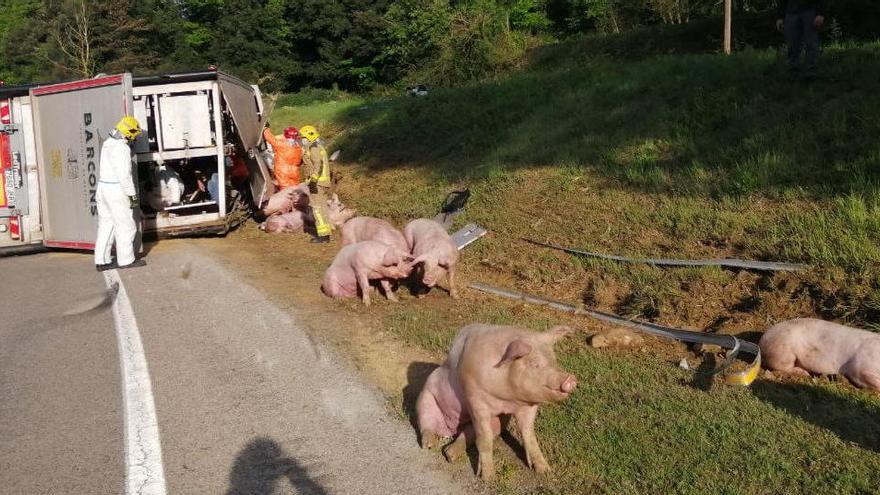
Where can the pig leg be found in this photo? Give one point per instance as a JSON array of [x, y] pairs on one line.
[[783, 360], [466, 438], [450, 277], [386, 286], [364, 284], [428, 411], [525, 419]]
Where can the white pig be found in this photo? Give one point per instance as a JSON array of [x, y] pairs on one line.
[[492, 371], [372, 229], [434, 249], [356, 264], [806, 345]]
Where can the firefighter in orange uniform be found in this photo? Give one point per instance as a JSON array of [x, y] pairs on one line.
[[288, 156]]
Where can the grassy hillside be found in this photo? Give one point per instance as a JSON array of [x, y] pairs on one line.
[[692, 155]]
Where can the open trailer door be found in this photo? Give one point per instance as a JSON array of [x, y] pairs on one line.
[[71, 121], [245, 105]]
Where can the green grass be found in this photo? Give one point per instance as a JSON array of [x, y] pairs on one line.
[[601, 146]]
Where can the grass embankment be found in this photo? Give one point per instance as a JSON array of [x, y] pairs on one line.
[[673, 156]]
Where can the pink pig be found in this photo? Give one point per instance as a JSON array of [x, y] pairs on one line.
[[372, 229], [293, 221], [337, 212], [356, 264], [286, 200], [806, 345], [491, 371], [433, 248]]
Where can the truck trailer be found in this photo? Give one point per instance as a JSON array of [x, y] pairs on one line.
[[202, 132]]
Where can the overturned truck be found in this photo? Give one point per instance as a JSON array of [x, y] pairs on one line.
[[201, 135]]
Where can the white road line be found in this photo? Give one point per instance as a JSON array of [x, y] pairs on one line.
[[144, 474]]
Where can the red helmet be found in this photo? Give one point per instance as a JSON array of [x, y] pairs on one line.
[[291, 133]]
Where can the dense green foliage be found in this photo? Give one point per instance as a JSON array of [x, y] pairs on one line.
[[353, 44]]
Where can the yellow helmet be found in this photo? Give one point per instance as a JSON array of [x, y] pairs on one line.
[[129, 127], [309, 132]]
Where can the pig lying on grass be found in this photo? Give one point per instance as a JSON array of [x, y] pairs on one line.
[[433, 248], [805, 345], [492, 371], [356, 264], [372, 229]]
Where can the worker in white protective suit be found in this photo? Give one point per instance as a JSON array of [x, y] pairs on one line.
[[117, 197]]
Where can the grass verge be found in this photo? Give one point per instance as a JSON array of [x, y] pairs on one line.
[[673, 156]]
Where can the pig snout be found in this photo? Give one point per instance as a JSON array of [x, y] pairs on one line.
[[560, 386], [430, 274], [569, 384]]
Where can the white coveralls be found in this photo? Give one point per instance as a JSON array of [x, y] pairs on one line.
[[115, 216]]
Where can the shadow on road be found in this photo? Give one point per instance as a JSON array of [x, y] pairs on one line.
[[261, 464], [849, 418]]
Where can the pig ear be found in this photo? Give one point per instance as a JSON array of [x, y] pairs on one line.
[[557, 332], [419, 259], [515, 350], [390, 259]]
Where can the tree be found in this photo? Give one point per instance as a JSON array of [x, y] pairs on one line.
[[72, 30]]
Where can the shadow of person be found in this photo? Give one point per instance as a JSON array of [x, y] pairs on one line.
[[416, 375], [849, 418], [259, 466]]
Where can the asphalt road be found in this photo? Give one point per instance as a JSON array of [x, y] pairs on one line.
[[245, 401]]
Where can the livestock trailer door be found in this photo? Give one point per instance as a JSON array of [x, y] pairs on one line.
[[245, 105], [71, 121]]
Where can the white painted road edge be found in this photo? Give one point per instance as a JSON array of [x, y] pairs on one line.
[[144, 474]]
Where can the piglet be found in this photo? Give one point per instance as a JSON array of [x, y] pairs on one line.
[[356, 264], [372, 229], [806, 345], [491, 371], [433, 248]]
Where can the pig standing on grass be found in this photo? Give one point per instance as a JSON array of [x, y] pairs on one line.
[[492, 371], [356, 264], [372, 229], [806, 345], [433, 248]]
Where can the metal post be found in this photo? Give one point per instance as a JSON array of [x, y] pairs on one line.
[[728, 14]]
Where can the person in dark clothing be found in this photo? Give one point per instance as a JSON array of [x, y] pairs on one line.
[[801, 20]]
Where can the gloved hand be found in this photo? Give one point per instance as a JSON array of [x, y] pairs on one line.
[[133, 201]]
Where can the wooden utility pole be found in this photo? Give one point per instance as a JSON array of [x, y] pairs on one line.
[[728, 14]]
